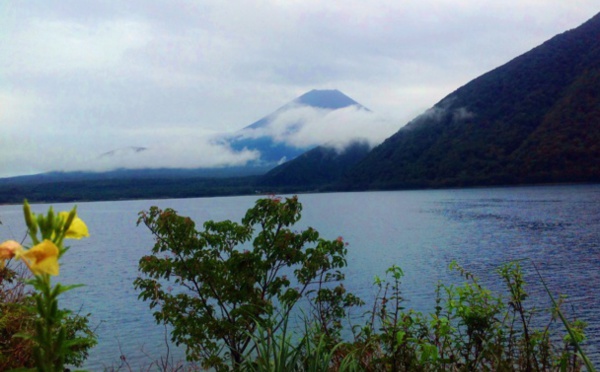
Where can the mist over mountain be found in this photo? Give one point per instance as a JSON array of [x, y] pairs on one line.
[[310, 120], [314, 118], [324, 99], [535, 119], [206, 165]]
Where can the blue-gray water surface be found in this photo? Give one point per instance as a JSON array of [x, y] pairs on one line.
[[555, 227]]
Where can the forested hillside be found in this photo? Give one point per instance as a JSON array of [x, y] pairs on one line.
[[317, 168], [535, 119]]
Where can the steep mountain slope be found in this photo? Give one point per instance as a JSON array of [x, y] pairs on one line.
[[268, 134], [318, 167], [534, 119]]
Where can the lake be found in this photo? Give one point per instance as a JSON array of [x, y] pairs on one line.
[[556, 227]]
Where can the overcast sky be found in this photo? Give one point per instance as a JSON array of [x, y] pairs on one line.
[[81, 78]]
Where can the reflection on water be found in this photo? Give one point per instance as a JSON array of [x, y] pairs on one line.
[[557, 228]]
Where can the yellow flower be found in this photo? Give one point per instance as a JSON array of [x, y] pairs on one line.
[[41, 258], [77, 229], [8, 250]]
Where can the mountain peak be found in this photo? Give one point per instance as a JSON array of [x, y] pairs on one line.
[[328, 99]]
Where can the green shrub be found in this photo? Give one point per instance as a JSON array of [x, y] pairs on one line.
[[234, 279]]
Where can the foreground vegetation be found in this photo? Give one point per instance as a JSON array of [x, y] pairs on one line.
[[35, 334], [260, 295], [238, 284]]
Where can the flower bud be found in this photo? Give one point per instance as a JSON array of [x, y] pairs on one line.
[[29, 219]]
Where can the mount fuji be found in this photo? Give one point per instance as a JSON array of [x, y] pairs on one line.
[[276, 136]]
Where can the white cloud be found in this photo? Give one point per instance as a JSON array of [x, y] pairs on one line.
[[197, 153], [305, 126], [59, 48], [181, 152]]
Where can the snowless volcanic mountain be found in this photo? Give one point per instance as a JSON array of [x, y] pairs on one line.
[[276, 135]]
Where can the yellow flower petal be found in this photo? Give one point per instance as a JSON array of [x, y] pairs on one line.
[[41, 258], [78, 228], [8, 250]]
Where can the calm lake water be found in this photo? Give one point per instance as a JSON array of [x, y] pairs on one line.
[[556, 227]]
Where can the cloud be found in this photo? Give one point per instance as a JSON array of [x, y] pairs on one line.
[[462, 113], [305, 126], [59, 48], [442, 111], [163, 150], [191, 154]]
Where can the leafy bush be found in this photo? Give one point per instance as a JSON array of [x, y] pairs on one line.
[[234, 279]]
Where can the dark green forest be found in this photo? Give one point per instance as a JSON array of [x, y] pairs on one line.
[[126, 189], [535, 119]]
